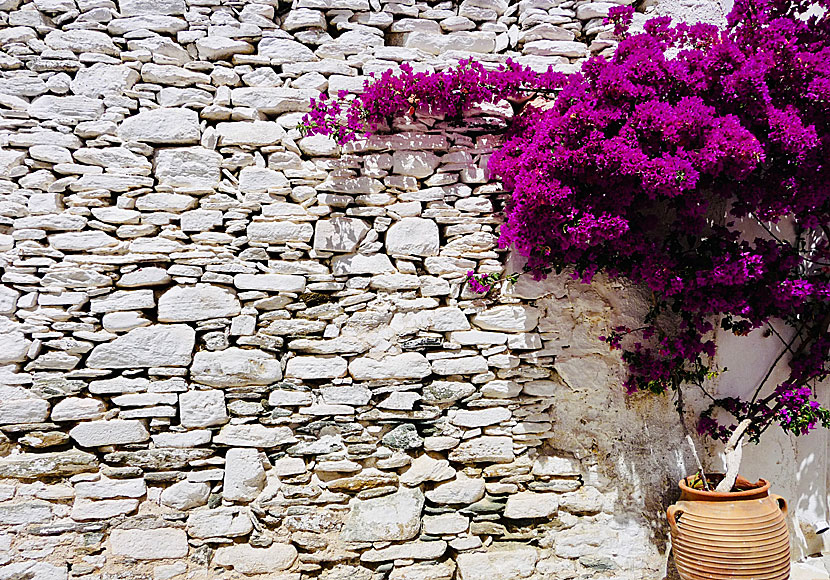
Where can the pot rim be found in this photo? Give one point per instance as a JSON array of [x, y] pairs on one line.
[[762, 490]]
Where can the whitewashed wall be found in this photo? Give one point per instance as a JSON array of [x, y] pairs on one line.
[[226, 351]]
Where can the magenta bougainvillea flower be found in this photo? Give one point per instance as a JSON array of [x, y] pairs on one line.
[[648, 165]]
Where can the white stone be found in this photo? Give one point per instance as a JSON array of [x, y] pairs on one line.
[[508, 318], [462, 490], [488, 448], [103, 79], [200, 220], [202, 409], [451, 523], [426, 468], [82, 241], [221, 48], [261, 180], [188, 167], [244, 475], [235, 367], [283, 50], [254, 435], [339, 234], [501, 389], [33, 570], [356, 264], [480, 417], [247, 559], [272, 100], [197, 302], [478, 337], [220, 522], [152, 544], [185, 495], [256, 134], [528, 504], [111, 488], [395, 516], [413, 236], [81, 41], [87, 510], [316, 367], [172, 202], [514, 564], [163, 126], [78, 108], [123, 300], [467, 365], [270, 282], [115, 432], [150, 346], [77, 409], [414, 163], [447, 319], [409, 365], [13, 347], [23, 411], [280, 232]]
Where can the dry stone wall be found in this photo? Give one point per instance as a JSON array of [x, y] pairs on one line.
[[229, 351]]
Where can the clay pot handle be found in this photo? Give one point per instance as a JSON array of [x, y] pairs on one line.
[[782, 503], [671, 514]]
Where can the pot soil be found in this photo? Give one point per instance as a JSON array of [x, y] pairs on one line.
[[740, 534]]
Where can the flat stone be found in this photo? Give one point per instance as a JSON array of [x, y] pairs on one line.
[[80, 41], [234, 367], [409, 365], [426, 571], [357, 264], [490, 449], [103, 79], [151, 346], [270, 282], [508, 318], [415, 163], [512, 564], [280, 232], [153, 544], [202, 409], [145, 7], [247, 559], [255, 134], [408, 551], [122, 300], [254, 435], [262, 180], [339, 234], [23, 411], [462, 490], [77, 409], [413, 236], [468, 365], [316, 367], [395, 516], [53, 464], [426, 468], [89, 510], [444, 524], [163, 126], [221, 48], [244, 475], [114, 432], [480, 417], [188, 167], [77, 108], [272, 100], [186, 495], [106, 488], [528, 504], [553, 466], [197, 302], [403, 437], [228, 522]]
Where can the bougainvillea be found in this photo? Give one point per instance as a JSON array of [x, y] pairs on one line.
[[653, 165]]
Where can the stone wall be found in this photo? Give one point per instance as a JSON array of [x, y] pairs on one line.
[[227, 351]]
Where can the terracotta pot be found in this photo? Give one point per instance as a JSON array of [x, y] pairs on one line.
[[720, 536]]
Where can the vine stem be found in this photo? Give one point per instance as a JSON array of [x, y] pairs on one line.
[[734, 452]]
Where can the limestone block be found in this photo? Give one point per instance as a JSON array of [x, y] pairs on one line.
[[202, 409], [462, 490], [163, 126], [488, 448], [50, 464], [280, 232], [261, 180], [221, 48], [254, 435], [13, 347], [413, 236], [228, 522], [395, 516], [197, 302], [152, 544], [415, 163], [235, 367], [81, 41], [255, 134], [480, 417], [409, 365], [247, 559], [78, 108], [185, 495], [30, 410], [270, 282], [115, 432], [316, 367], [244, 475], [514, 564], [77, 409], [103, 79], [89, 510], [508, 318], [149, 346], [188, 167], [528, 504], [339, 234], [143, 7]]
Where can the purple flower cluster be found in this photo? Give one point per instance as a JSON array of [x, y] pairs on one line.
[[648, 165]]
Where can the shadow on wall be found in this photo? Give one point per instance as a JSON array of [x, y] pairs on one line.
[[631, 447]]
